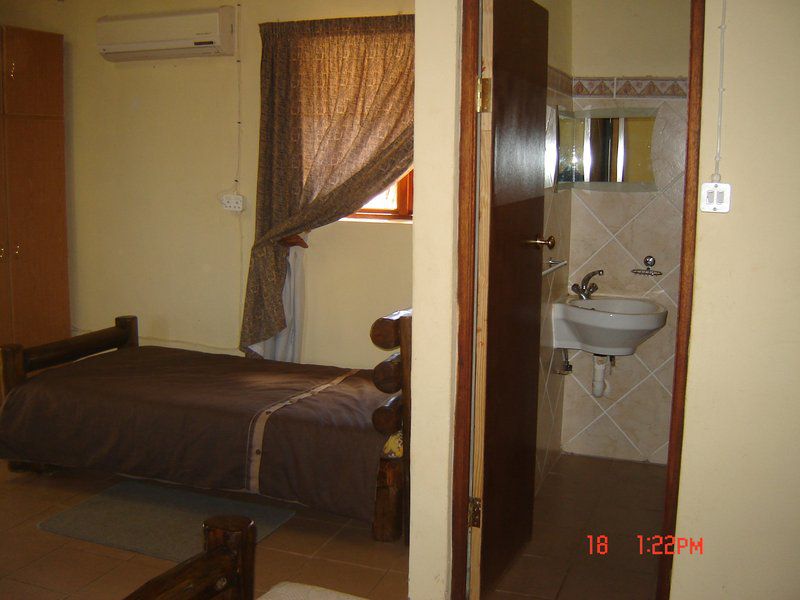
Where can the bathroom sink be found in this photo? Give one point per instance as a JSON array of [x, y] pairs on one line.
[[609, 325]]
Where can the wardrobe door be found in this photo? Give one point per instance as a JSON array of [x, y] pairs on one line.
[[6, 331], [38, 229], [33, 80]]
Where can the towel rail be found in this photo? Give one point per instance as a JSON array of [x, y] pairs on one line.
[[555, 264]]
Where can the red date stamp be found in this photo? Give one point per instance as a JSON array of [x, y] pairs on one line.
[[655, 545]]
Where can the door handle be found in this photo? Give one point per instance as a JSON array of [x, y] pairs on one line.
[[17, 251], [539, 242], [2, 253]]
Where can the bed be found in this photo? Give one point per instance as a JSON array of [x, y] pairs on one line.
[[319, 436]]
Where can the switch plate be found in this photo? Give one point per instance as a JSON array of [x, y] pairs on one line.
[[234, 202], [715, 197]]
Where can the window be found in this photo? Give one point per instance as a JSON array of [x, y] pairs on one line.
[[397, 202]]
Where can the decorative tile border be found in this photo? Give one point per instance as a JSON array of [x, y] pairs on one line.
[[596, 87], [649, 88], [630, 87], [617, 87], [559, 81]]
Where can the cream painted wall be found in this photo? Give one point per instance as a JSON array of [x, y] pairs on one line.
[[739, 476], [438, 26], [151, 146], [33, 14], [559, 34], [349, 288], [630, 37]]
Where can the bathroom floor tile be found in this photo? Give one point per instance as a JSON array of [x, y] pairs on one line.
[[623, 552], [571, 510], [590, 496], [624, 521], [600, 582], [636, 494], [557, 541], [574, 465], [535, 575]]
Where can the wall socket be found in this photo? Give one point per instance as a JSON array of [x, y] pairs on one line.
[[234, 202]]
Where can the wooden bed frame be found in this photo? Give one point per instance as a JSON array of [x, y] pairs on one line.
[[225, 568], [392, 376]]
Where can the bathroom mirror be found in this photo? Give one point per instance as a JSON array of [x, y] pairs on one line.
[[606, 148], [551, 147]]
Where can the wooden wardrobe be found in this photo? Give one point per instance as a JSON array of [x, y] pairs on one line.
[[34, 288]]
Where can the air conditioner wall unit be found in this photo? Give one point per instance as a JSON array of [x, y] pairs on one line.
[[168, 35]]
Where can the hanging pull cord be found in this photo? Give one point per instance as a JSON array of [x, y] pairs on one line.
[[716, 176]]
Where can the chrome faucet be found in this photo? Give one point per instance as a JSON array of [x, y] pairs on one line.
[[586, 289]]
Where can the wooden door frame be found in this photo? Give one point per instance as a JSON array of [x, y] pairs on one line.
[[467, 203], [686, 283], [467, 210]]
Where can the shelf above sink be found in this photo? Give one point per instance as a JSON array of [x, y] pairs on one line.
[[607, 325]]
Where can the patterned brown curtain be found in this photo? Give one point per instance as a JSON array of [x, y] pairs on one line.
[[336, 129]]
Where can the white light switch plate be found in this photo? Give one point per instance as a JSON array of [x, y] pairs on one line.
[[234, 202], [715, 197]]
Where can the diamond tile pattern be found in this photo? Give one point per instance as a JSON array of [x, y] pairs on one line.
[[551, 386], [614, 231]]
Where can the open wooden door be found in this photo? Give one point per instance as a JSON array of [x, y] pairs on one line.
[[511, 206]]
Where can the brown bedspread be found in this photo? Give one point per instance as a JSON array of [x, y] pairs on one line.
[[187, 417]]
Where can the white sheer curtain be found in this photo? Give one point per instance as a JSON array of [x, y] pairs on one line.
[[286, 345]]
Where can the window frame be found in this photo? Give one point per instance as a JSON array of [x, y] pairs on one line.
[[405, 203]]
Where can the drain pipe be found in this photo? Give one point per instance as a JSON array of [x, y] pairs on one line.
[[599, 383]]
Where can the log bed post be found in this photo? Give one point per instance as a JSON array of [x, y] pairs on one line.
[[405, 351], [390, 376], [130, 325]]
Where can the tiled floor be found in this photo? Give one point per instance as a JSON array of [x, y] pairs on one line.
[[314, 548], [589, 496], [582, 496]]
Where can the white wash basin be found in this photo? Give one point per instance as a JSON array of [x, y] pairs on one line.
[[609, 325]]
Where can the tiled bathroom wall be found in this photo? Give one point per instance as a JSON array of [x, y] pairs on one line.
[[557, 207], [614, 231], [551, 385]]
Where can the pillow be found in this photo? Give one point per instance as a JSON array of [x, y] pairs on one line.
[[393, 448]]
